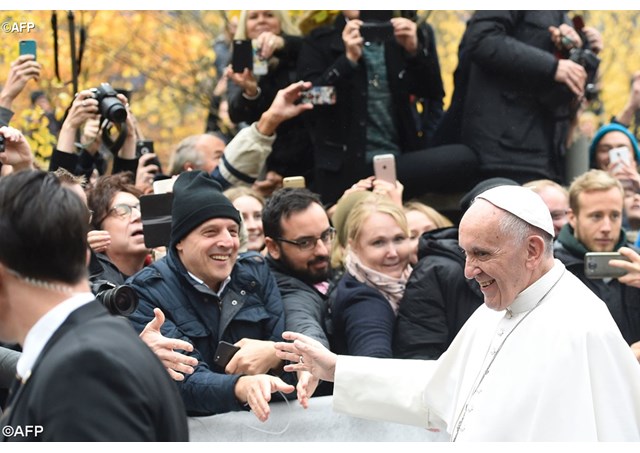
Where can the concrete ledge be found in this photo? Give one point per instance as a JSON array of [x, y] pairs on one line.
[[292, 423]]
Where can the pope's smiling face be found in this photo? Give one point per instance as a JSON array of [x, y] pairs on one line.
[[493, 258]]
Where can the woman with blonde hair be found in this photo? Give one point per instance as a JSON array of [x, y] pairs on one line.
[[276, 45], [250, 204], [422, 218], [377, 267]]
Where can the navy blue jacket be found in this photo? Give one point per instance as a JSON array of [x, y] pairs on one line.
[[363, 320], [250, 307]]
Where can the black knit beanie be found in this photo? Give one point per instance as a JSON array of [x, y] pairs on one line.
[[467, 199], [196, 199]]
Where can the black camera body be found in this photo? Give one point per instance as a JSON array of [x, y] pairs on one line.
[[109, 105], [590, 62], [119, 300]]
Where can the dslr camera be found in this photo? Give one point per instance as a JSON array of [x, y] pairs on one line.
[[119, 300], [590, 62], [109, 105]]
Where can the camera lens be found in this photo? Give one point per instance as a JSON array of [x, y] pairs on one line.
[[112, 109], [592, 266], [122, 300]]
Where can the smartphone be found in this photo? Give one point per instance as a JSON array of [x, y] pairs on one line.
[[260, 65], [224, 352], [242, 55], [325, 95], [28, 47], [620, 154], [384, 167], [377, 31], [145, 147], [294, 181], [596, 265], [163, 185]]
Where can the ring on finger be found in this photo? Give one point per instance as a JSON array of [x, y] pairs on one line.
[[301, 361]]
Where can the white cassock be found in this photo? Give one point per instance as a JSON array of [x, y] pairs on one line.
[[554, 367]]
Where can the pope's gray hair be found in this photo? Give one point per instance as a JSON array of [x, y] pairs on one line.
[[519, 230]]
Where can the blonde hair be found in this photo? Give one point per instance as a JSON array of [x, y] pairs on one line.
[[357, 218], [540, 184], [593, 180], [234, 193], [439, 220], [286, 26]]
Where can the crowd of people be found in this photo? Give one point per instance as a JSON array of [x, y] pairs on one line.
[[356, 272]]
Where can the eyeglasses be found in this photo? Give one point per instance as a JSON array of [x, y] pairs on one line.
[[123, 210], [558, 215], [308, 243]]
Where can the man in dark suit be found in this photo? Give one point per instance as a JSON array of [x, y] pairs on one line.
[[84, 375]]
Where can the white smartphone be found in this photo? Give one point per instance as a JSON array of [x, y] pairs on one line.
[[384, 167], [620, 154], [163, 186], [294, 181]]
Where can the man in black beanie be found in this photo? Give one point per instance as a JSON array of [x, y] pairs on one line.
[[209, 295]]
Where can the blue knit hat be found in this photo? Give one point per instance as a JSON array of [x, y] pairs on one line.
[[604, 130]]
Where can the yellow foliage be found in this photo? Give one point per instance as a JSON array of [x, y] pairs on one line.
[[166, 59]]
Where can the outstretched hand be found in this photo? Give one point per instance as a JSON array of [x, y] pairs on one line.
[[177, 364], [307, 354]]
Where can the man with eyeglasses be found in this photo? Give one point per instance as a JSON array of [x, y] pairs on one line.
[[595, 225], [210, 294], [117, 237], [299, 239]]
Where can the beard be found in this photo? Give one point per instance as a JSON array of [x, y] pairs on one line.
[[308, 274]]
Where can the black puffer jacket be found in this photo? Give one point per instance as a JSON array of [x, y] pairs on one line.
[[438, 299]]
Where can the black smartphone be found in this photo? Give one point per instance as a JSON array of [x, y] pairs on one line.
[[377, 31], [145, 147], [242, 56], [224, 352], [28, 47], [596, 265]]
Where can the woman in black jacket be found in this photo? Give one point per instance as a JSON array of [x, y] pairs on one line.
[[252, 91], [377, 267]]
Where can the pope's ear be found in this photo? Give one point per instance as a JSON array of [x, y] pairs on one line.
[[535, 249]]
